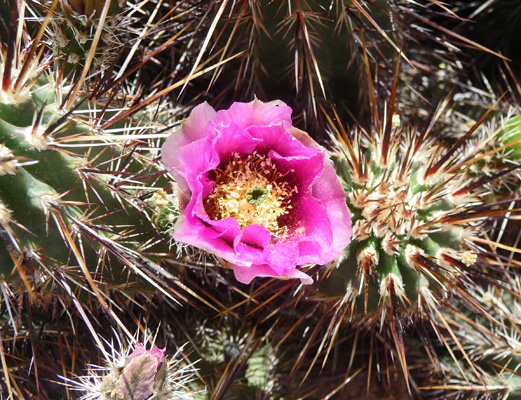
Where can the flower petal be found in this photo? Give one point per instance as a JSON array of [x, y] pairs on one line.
[[196, 228], [197, 158], [193, 129], [246, 275], [282, 256], [194, 232], [252, 242], [328, 189], [332, 197], [275, 137], [234, 139], [312, 232], [254, 113]]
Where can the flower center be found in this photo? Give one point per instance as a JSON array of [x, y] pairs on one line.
[[251, 190], [257, 195]]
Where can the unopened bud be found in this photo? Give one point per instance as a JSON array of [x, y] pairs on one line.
[[141, 378]]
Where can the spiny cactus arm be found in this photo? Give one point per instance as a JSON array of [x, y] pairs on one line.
[[439, 224], [56, 175]]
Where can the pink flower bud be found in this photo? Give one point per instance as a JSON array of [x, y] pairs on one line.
[[143, 375]]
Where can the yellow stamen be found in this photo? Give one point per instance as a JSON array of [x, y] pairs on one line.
[[251, 190]]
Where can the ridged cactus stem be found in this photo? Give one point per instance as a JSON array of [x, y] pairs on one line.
[[420, 220], [70, 177]]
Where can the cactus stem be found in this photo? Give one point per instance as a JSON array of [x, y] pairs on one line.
[[445, 161], [81, 261], [483, 156]]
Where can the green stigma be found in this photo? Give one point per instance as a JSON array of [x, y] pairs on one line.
[[257, 195]]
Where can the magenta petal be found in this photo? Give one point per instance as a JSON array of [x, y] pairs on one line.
[[254, 113], [255, 236], [252, 242], [304, 168], [217, 238], [224, 229], [235, 139], [328, 189], [246, 275], [189, 139], [283, 256], [193, 129], [313, 231], [197, 158], [277, 138], [309, 251]]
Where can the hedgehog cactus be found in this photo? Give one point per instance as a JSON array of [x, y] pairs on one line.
[[421, 221], [509, 136], [492, 344], [74, 31], [37, 176], [74, 179], [497, 142], [416, 211]]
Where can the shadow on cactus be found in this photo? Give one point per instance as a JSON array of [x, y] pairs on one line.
[[299, 51], [493, 347]]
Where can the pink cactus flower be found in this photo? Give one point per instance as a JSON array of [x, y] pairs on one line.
[[256, 192]]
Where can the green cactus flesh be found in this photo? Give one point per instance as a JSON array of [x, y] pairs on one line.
[[60, 198], [511, 134], [41, 176]]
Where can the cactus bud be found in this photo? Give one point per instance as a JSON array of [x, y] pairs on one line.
[[141, 378]]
